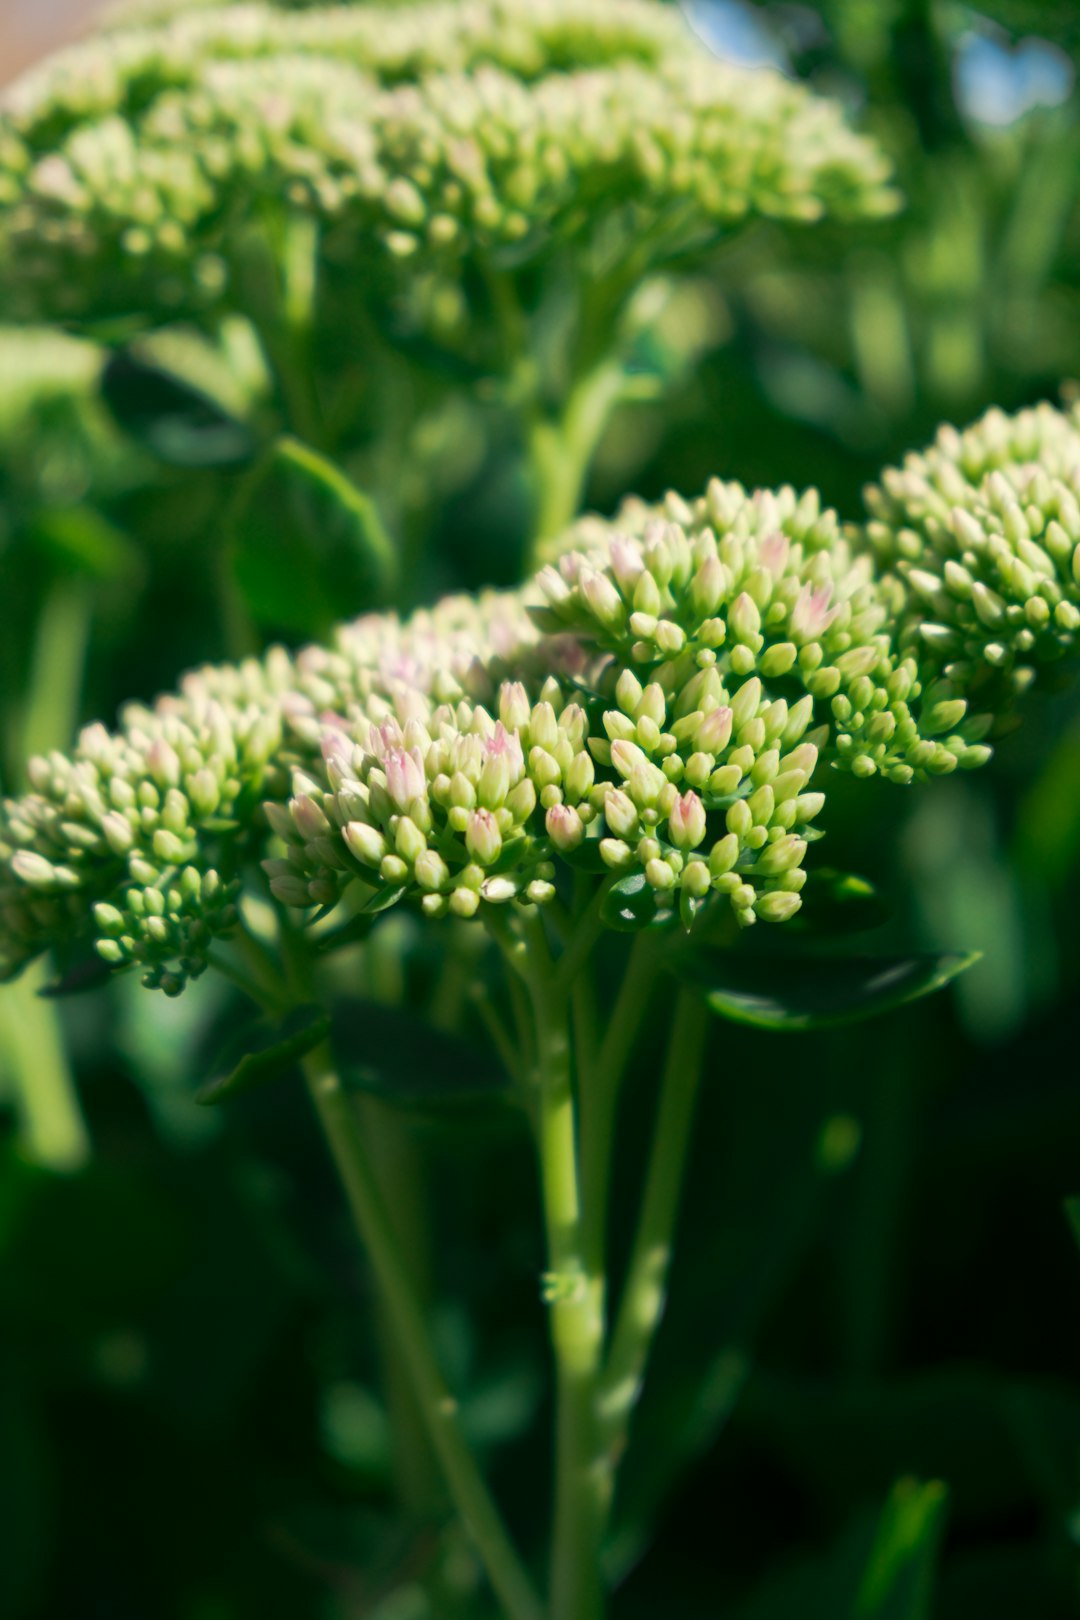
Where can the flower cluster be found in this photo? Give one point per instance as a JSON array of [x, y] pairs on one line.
[[763, 599], [144, 835], [131, 165], [983, 531], [654, 710], [440, 800]]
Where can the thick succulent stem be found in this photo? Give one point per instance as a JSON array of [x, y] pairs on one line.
[[561, 449], [466, 1485], [645, 1290], [575, 1299]]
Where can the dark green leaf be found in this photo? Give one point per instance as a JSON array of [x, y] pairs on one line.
[[274, 1053], [839, 903], [398, 1058], [882, 1571], [787, 992], [898, 1581], [1072, 1215], [309, 548], [177, 422], [632, 903]]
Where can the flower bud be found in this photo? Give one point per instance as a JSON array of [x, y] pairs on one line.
[[366, 843], [686, 821], [482, 837], [564, 827], [620, 813], [777, 906]]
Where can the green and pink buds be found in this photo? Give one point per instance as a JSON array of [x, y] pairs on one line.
[[661, 704]]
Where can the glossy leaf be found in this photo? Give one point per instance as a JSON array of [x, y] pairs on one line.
[[632, 904], [789, 992], [278, 1051]]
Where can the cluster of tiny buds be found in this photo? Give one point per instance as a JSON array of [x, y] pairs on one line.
[[455, 805], [446, 802], [676, 602], [423, 133], [652, 710], [983, 530]]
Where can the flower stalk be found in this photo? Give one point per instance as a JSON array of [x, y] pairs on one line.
[[471, 1497]]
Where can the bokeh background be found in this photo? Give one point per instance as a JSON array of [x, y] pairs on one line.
[[878, 1279]]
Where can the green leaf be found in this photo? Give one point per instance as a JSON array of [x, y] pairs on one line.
[[80, 538], [411, 1065], [788, 992], [276, 1052], [877, 1571], [898, 1581], [1072, 1215], [177, 422], [632, 904], [309, 547], [838, 903]]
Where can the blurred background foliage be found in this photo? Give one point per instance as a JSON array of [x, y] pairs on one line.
[[877, 1285]]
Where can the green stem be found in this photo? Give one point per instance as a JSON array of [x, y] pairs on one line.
[[575, 1299], [56, 670], [645, 1289], [52, 1130], [599, 1098], [470, 1494], [561, 450]]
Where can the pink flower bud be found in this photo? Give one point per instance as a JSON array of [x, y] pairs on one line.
[[626, 561], [564, 827], [405, 779], [620, 813], [308, 819], [773, 553], [513, 705], [627, 757], [811, 616], [483, 839], [603, 599], [164, 763], [744, 618], [504, 744], [714, 732], [686, 821]]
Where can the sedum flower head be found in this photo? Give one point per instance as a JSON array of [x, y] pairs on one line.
[[749, 601], [982, 531], [422, 137], [141, 837], [658, 705], [445, 802]]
